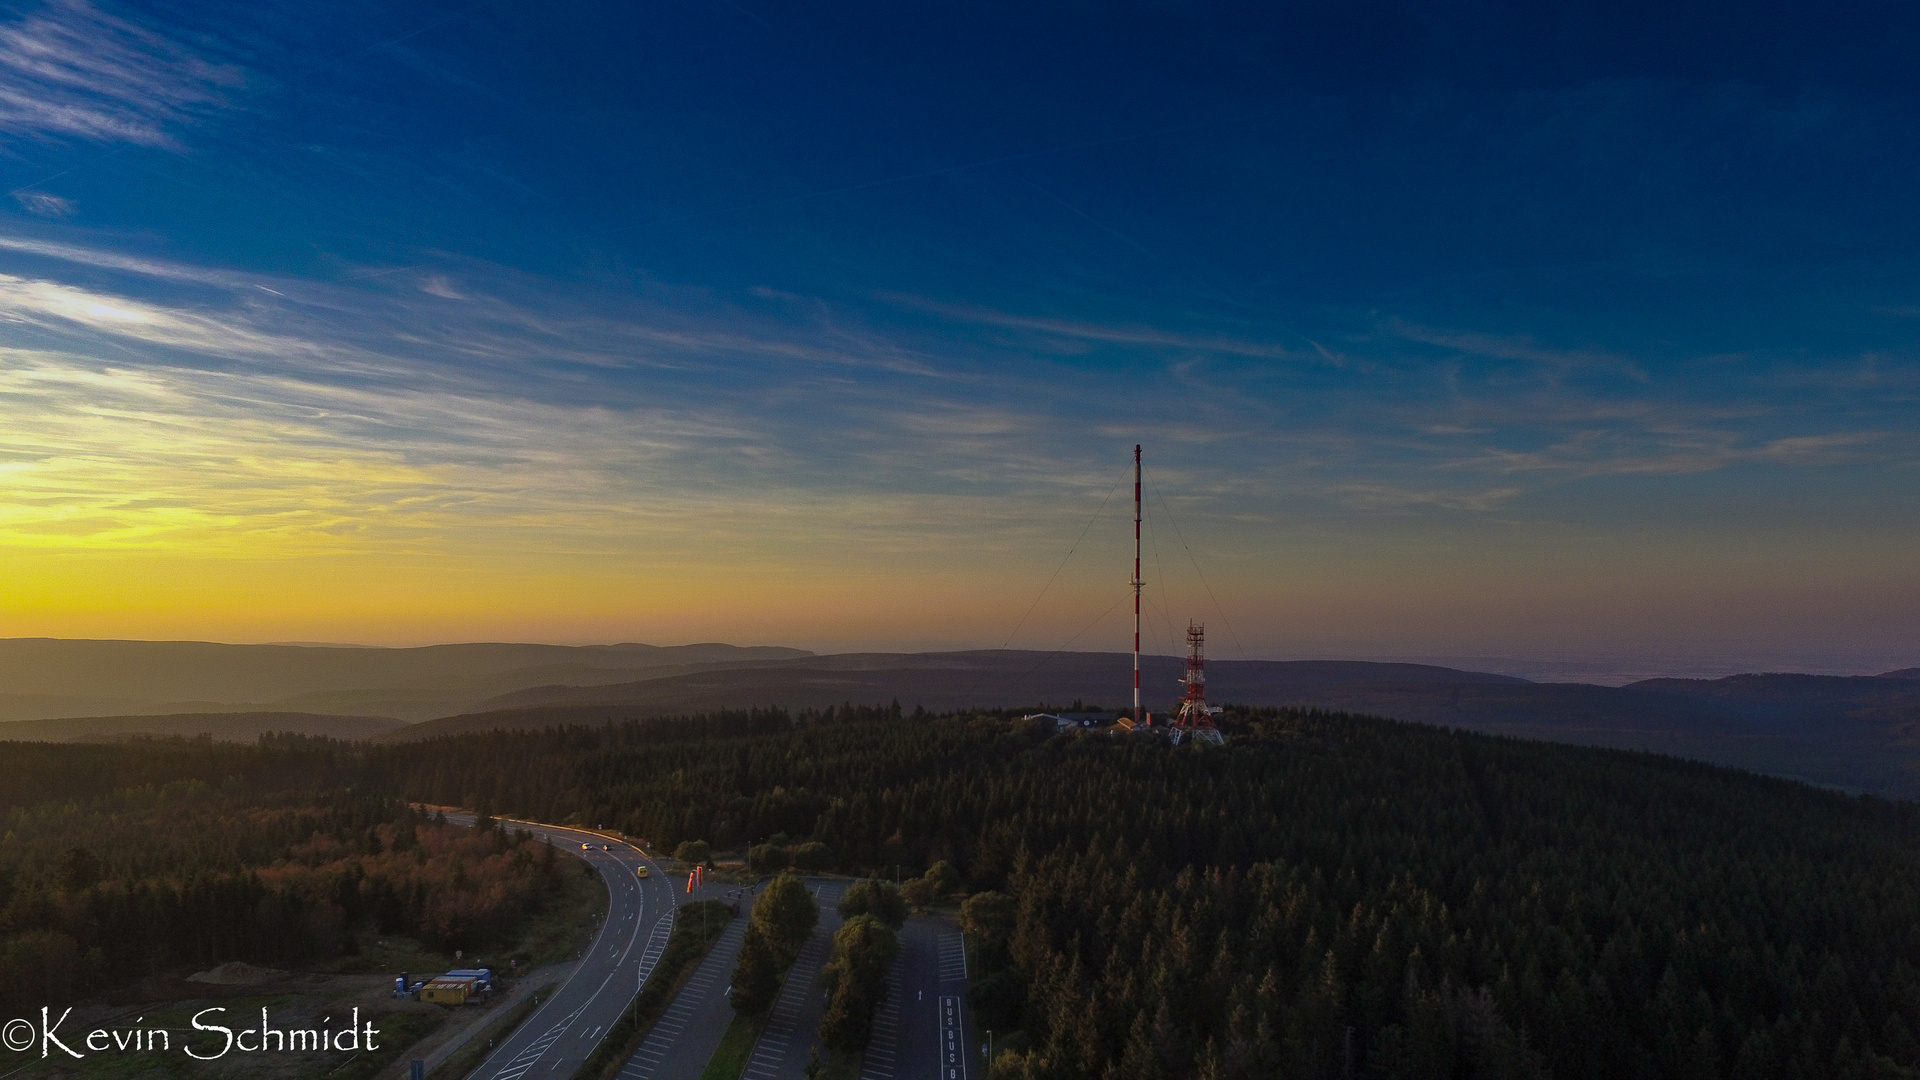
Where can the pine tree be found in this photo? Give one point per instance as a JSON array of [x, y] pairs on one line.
[[785, 914], [756, 975], [863, 951]]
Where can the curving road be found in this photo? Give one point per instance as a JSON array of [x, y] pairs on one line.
[[556, 1039]]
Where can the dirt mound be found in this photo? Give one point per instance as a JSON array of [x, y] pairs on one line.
[[234, 973]]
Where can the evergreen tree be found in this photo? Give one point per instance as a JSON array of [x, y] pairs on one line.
[[879, 899], [1324, 889], [856, 975], [785, 914], [756, 975]]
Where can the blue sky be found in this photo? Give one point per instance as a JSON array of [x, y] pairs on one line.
[[1582, 332]]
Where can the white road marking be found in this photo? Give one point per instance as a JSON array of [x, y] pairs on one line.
[[529, 1057], [877, 1064], [953, 1056], [775, 1038], [953, 957], [673, 1023]]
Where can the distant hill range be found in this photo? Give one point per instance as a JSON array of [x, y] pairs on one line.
[[944, 681], [221, 727], [43, 678], [1860, 733]]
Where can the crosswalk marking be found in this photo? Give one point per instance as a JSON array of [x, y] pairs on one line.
[[953, 957], [656, 944]]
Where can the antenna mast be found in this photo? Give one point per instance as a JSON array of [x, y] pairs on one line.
[[1137, 717], [1195, 717]]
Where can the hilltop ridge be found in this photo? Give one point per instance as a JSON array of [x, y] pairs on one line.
[[1859, 733], [48, 678]]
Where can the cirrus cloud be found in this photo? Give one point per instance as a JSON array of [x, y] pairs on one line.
[[69, 70]]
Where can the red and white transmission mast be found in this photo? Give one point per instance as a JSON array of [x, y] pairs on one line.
[[1195, 716], [1138, 718]]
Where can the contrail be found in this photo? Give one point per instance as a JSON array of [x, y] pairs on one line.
[[944, 170], [1091, 220], [749, 14]]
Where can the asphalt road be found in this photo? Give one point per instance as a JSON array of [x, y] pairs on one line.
[[556, 1039], [686, 1035], [922, 1030], [793, 1025]]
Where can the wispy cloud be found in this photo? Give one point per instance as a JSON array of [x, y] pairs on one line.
[[262, 414], [69, 70], [1125, 335], [439, 285], [1520, 347], [1388, 496], [81, 255], [150, 403], [1603, 453], [41, 204]]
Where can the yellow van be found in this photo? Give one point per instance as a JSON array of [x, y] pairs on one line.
[[640, 871]]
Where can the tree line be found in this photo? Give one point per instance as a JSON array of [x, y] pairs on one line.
[[154, 879], [1324, 896], [783, 915]]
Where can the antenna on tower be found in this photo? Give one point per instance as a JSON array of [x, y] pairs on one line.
[[1195, 717]]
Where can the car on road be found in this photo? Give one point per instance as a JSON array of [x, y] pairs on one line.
[[640, 871], [586, 847], [604, 847]]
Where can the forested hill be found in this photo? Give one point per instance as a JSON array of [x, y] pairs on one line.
[[1465, 905], [43, 678], [1856, 733], [1324, 896], [944, 681], [1859, 733]]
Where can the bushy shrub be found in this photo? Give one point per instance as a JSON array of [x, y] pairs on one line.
[[812, 856], [876, 898]]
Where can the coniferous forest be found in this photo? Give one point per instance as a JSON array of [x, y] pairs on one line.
[[171, 854], [1325, 896]]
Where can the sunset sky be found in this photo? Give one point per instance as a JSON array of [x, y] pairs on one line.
[[1568, 332]]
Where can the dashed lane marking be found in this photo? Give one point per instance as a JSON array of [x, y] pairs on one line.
[[527, 1058]]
